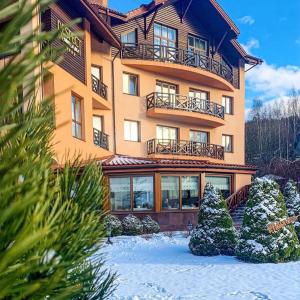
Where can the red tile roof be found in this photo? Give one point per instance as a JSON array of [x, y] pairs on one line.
[[120, 161]]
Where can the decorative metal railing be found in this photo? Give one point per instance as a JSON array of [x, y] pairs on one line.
[[100, 139], [185, 103], [178, 56], [99, 87], [188, 148], [238, 198]]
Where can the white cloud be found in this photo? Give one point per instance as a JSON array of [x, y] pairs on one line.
[[248, 20], [251, 44], [271, 82]]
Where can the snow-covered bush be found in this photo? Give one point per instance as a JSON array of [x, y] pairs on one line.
[[292, 201], [150, 226], [114, 224], [214, 233], [132, 225], [266, 206]]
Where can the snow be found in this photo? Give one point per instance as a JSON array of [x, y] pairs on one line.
[[162, 268]]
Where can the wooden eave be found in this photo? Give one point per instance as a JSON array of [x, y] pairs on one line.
[[103, 29]]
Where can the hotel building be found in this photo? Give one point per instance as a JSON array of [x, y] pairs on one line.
[[157, 96]]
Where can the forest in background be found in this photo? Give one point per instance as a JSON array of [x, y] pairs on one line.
[[272, 133]]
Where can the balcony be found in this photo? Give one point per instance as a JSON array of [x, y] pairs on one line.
[[99, 87], [194, 66], [185, 109], [185, 148], [100, 139]]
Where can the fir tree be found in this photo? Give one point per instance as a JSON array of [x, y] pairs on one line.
[[214, 233], [266, 206], [292, 201], [49, 222]]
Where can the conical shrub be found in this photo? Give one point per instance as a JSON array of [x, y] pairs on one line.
[[150, 226], [214, 233], [132, 225], [292, 201], [266, 207]]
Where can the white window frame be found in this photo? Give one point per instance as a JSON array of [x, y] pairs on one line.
[[129, 129], [126, 85], [227, 102], [225, 138]]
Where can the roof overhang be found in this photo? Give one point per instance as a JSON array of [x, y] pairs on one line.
[[100, 26], [249, 59]]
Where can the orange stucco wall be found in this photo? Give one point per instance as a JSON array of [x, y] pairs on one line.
[[134, 108], [62, 84]]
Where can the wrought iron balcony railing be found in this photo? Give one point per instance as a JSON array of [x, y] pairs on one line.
[[99, 87], [100, 139], [178, 56], [185, 103], [188, 148]]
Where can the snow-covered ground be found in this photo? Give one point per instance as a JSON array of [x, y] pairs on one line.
[[163, 268]]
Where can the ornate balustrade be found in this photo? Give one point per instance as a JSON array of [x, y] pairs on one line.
[[100, 139], [99, 87], [178, 56], [185, 103], [188, 148]]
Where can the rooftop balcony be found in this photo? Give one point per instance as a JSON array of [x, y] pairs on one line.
[[185, 148], [101, 139], [181, 63], [185, 109]]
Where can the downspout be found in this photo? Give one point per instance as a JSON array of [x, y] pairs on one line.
[[113, 101]]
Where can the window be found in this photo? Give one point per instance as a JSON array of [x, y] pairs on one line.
[[165, 134], [221, 183], [165, 88], [131, 131], [132, 193], [98, 123], [76, 118], [97, 72], [167, 92], [190, 191], [200, 98], [179, 192], [199, 136], [227, 102], [120, 193], [227, 143], [130, 84], [170, 192], [203, 95], [196, 44], [165, 38], [129, 37], [143, 193]]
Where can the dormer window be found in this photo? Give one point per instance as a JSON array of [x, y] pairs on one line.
[[129, 38], [197, 44]]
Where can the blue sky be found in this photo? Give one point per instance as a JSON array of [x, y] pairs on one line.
[[270, 29]]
